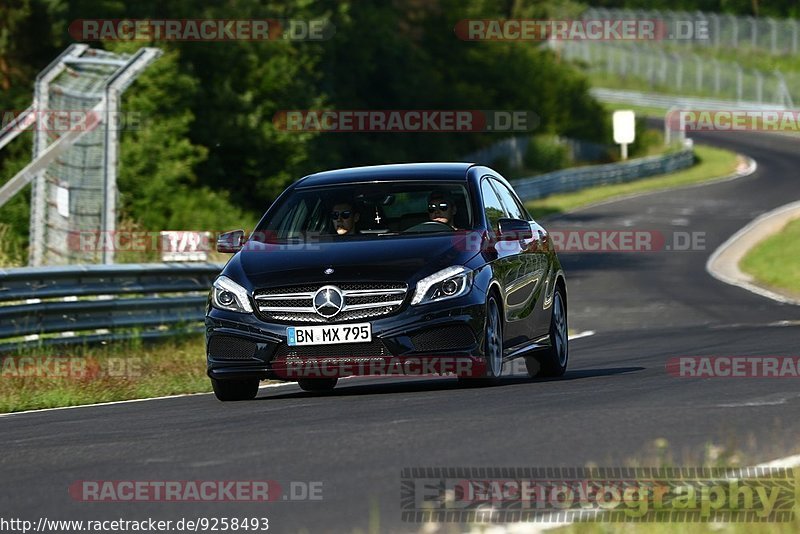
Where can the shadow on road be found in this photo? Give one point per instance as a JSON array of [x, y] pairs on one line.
[[392, 385]]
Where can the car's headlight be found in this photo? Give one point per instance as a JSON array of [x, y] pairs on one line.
[[228, 295], [445, 284]]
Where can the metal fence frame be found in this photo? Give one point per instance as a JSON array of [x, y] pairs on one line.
[[765, 34], [99, 98], [683, 66]]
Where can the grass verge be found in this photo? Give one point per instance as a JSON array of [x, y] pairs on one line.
[[641, 111], [52, 377], [712, 163], [774, 261]]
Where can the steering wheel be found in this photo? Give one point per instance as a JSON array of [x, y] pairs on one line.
[[429, 226]]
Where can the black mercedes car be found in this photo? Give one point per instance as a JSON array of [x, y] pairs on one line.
[[412, 269]]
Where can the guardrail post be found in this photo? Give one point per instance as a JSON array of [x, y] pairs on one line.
[[759, 87], [716, 34], [773, 37], [739, 82], [698, 73], [734, 31], [753, 32]]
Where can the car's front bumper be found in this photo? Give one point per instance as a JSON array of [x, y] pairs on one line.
[[417, 340]]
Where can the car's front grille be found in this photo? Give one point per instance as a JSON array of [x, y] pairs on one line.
[[449, 337], [362, 300], [231, 348]]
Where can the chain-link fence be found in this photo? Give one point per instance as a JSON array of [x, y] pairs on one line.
[[769, 35], [71, 196], [75, 151], [688, 65], [648, 67]]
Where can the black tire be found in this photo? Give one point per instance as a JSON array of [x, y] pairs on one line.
[[493, 346], [553, 362], [317, 384], [235, 390]]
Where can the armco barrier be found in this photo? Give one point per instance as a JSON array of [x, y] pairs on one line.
[[577, 178], [666, 101], [89, 303]]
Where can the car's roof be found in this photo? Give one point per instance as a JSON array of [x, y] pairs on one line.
[[380, 173]]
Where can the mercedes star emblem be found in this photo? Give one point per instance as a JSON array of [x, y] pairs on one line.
[[328, 301]]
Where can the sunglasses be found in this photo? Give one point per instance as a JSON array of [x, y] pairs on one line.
[[441, 206], [345, 214]]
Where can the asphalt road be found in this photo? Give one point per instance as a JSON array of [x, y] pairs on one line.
[[609, 409]]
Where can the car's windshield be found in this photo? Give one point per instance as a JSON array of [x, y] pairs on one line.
[[369, 211]]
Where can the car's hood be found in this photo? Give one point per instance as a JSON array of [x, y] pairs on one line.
[[400, 259]]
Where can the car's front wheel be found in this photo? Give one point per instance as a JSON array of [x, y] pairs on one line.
[[235, 390], [553, 361], [492, 346]]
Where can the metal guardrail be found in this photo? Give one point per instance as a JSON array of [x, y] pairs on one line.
[[567, 180], [656, 100], [90, 303], [514, 149]]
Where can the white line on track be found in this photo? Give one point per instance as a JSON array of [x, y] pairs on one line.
[[579, 335], [112, 403]]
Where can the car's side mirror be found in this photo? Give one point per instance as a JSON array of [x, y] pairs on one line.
[[230, 241], [514, 230]]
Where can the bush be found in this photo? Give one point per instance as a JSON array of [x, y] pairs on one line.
[[546, 153]]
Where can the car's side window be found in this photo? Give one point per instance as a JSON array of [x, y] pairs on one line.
[[491, 205], [513, 206]]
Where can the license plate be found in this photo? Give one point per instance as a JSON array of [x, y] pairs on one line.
[[325, 335]]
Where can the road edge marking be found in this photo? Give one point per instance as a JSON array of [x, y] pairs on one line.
[[723, 264]]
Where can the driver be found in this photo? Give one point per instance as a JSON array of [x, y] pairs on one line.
[[344, 218], [441, 208]]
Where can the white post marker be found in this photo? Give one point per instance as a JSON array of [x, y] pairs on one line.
[[624, 122]]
